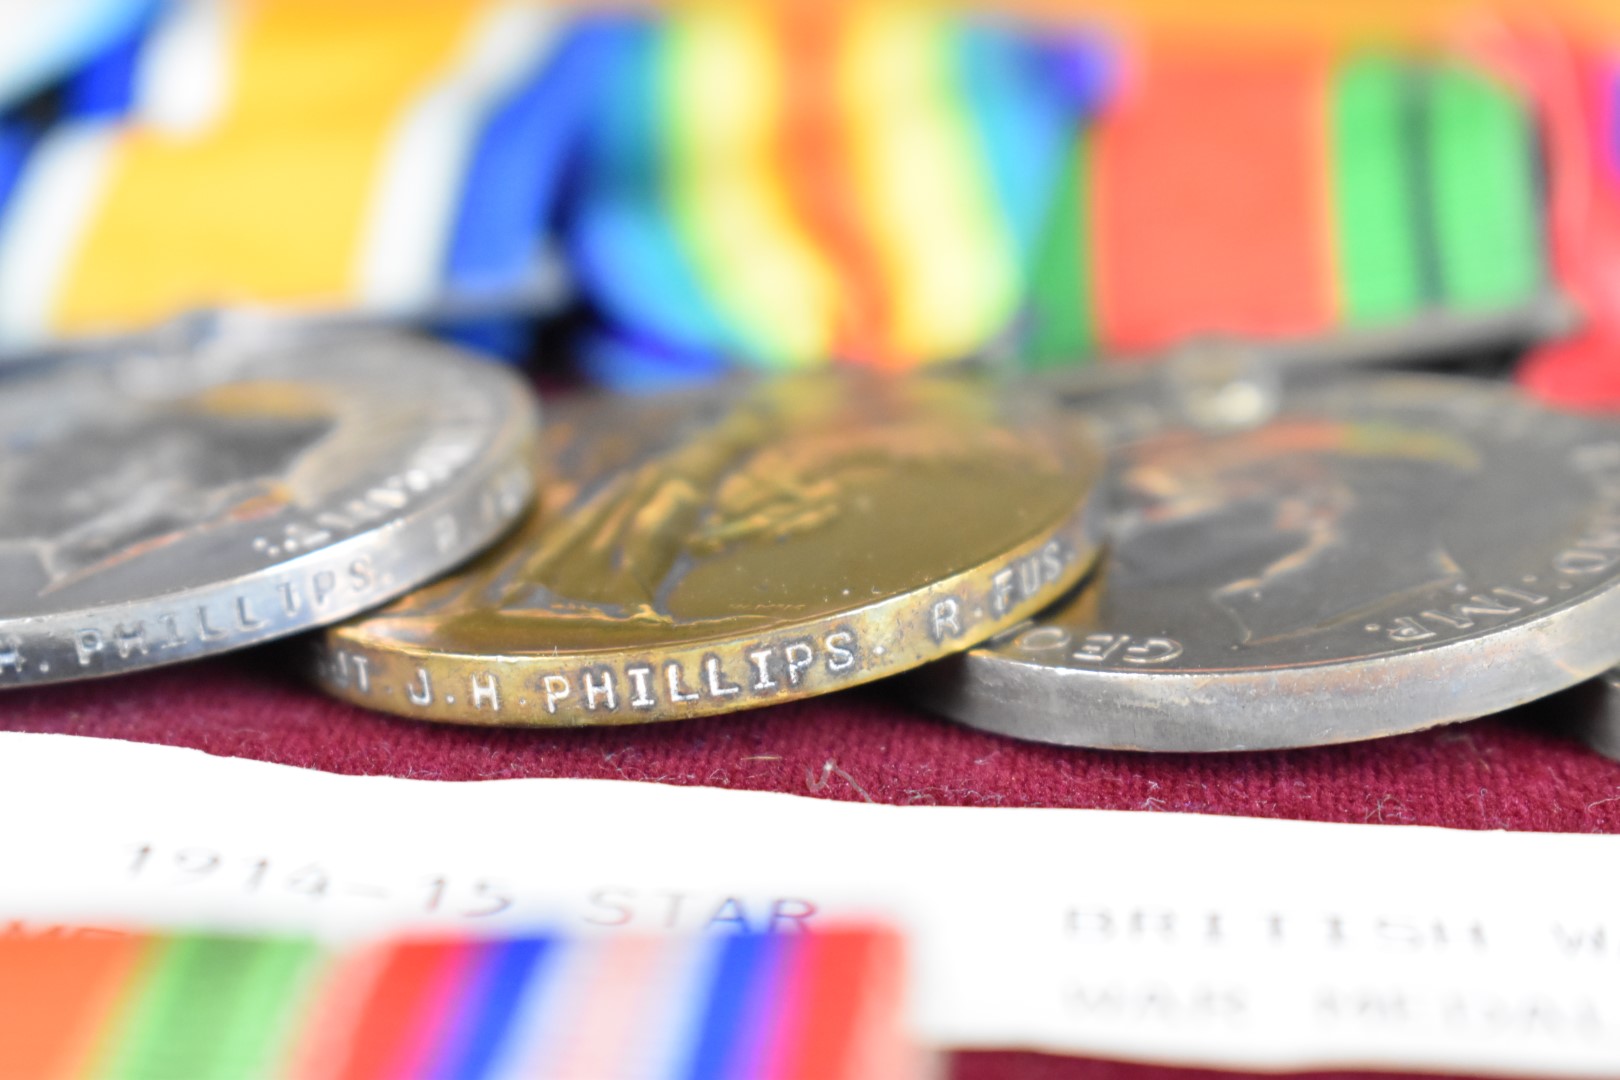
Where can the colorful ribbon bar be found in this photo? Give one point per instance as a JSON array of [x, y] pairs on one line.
[[296, 154], [800, 1006], [784, 186], [1286, 192]]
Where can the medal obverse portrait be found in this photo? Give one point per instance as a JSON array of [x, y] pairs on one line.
[[158, 507], [1367, 562]]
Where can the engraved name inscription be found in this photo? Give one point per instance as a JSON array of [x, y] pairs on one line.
[[767, 670], [237, 616], [1018, 582]]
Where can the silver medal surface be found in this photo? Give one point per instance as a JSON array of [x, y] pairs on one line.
[[157, 508], [1383, 555]]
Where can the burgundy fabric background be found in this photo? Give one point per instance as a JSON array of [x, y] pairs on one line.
[[1507, 772]]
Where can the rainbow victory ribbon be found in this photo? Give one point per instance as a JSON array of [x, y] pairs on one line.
[[784, 186]]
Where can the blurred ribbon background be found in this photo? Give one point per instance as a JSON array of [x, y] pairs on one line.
[[791, 185]]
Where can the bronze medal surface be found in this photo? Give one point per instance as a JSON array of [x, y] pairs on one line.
[[744, 545]]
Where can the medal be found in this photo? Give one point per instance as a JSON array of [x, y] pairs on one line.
[[749, 544], [1383, 555], [1591, 714], [157, 508]]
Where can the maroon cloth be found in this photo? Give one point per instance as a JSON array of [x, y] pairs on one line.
[[1508, 772]]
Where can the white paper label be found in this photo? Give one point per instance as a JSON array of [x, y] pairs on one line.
[[1223, 941]]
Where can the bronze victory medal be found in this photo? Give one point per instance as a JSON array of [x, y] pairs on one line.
[[1382, 555], [748, 544]]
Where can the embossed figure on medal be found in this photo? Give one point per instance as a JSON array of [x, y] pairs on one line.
[[728, 548], [159, 507]]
